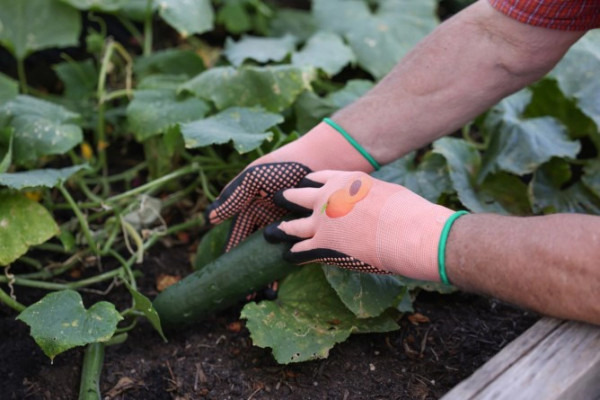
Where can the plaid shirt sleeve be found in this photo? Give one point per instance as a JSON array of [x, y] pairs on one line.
[[572, 15]]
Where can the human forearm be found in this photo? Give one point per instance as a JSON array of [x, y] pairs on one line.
[[461, 69], [550, 264]]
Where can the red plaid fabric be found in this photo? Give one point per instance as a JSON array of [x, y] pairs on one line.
[[571, 15]]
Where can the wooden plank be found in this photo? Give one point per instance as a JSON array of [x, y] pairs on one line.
[[552, 360]]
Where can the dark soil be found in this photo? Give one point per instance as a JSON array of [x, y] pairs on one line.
[[215, 359]]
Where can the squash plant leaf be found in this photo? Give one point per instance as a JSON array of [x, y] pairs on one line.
[[521, 145], [549, 100], [366, 295], [578, 74], [501, 193], [381, 38], [41, 128], [23, 223], [97, 5], [326, 51], [47, 177], [307, 319], [59, 322], [234, 15], [311, 109], [246, 127], [299, 23], [9, 88], [261, 49], [187, 16], [273, 88], [153, 111], [137, 9], [80, 78], [552, 191], [144, 305], [429, 178], [26, 26], [169, 62]]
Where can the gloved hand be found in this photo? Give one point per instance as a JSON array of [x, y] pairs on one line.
[[249, 196], [361, 223]]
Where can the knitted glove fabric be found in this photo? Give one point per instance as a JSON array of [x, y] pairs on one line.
[[361, 223], [249, 196]]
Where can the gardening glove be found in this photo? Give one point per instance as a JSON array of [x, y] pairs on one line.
[[249, 196], [361, 223]]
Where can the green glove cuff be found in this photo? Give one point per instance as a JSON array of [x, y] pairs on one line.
[[353, 142], [442, 245]]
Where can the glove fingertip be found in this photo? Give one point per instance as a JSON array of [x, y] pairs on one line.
[[280, 201], [273, 234], [307, 183]]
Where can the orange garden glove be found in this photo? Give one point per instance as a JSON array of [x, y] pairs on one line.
[[249, 196], [361, 223]]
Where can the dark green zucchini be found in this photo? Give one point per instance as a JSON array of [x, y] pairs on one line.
[[250, 266]]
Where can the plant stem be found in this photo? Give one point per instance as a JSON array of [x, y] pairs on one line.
[[9, 301], [71, 285], [126, 265], [52, 247], [148, 29], [101, 142], [125, 175], [135, 32], [155, 183], [31, 261], [22, 75], [93, 360], [80, 218], [140, 189], [115, 94]]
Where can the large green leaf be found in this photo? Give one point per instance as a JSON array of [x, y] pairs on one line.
[[379, 39], [59, 322], [366, 295], [299, 23], [97, 5], [549, 100], [274, 88], [552, 191], [429, 178], [31, 25], [501, 193], [48, 177], [234, 15], [41, 128], [153, 111], [9, 88], [23, 223], [521, 145], [261, 49], [80, 78], [187, 16], [137, 9], [307, 319], [578, 74], [326, 51], [170, 62], [311, 109], [246, 127]]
